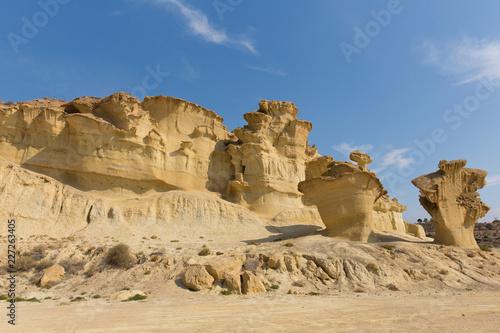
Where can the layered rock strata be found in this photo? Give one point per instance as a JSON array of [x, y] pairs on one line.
[[450, 196]]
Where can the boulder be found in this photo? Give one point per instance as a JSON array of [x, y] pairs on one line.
[[232, 281], [251, 284], [218, 266], [197, 278], [449, 196], [52, 275]]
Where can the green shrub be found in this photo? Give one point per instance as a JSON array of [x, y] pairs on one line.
[[289, 245], [275, 287], [226, 292], [96, 296], [387, 247], [119, 256], [313, 293], [137, 297], [77, 299], [486, 247], [204, 252]]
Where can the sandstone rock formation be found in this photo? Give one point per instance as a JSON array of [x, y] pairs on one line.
[[197, 278], [163, 166], [345, 195], [124, 295], [449, 196], [53, 274], [269, 159]]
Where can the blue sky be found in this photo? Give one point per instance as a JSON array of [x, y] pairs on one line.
[[409, 82]]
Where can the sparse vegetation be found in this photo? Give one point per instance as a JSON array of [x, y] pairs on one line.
[[253, 243], [312, 293], [147, 272], [96, 296], [444, 271], [91, 271], [486, 247], [226, 292], [72, 266], [387, 247], [275, 287], [24, 263], [289, 245], [119, 256], [204, 252], [137, 297], [77, 299]]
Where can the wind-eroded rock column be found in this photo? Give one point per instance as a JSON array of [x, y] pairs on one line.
[[449, 196]]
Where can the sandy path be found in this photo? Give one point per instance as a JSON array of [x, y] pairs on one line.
[[290, 313]]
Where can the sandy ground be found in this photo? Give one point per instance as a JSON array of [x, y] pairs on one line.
[[268, 313]]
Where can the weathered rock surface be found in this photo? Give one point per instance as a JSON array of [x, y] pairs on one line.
[[251, 284], [124, 295], [52, 275], [164, 166], [345, 195], [449, 196], [197, 278]]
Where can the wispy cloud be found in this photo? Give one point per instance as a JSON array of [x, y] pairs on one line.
[[493, 180], [471, 59], [189, 73], [348, 147], [268, 69], [396, 158], [199, 24]]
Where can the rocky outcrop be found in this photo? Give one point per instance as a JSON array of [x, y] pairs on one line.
[[197, 278], [269, 159], [120, 166], [387, 215], [162, 143], [449, 196], [345, 195]]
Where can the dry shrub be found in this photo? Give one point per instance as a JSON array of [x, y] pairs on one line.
[[91, 271], [25, 263], [38, 252], [72, 266], [119, 256], [43, 264]]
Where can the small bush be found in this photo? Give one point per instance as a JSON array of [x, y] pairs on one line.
[[154, 237], [226, 292], [91, 271], [298, 284], [253, 243], [3, 297], [25, 263], [204, 252], [125, 288], [119, 256], [147, 272], [77, 299], [137, 297], [96, 296], [289, 245], [174, 241], [43, 264], [387, 247], [72, 266], [275, 287], [312, 293], [444, 272], [486, 247], [154, 258]]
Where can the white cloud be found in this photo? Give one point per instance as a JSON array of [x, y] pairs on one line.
[[394, 158], [470, 58], [268, 69], [348, 147], [199, 24], [492, 180]]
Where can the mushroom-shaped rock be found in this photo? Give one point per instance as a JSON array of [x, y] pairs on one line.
[[345, 195], [361, 158], [449, 196]]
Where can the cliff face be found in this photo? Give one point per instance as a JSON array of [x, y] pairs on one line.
[[98, 144], [125, 159]]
